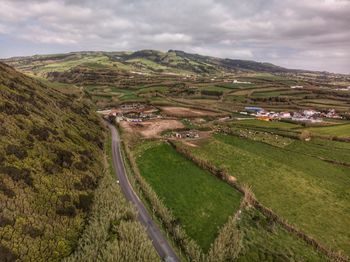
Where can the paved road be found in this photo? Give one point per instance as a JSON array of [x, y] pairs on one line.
[[160, 243]]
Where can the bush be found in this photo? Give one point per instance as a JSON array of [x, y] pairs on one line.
[[83, 166], [7, 255], [41, 133], [7, 191], [84, 202], [88, 182], [64, 158], [17, 174], [31, 231], [51, 168], [18, 151], [4, 221], [68, 211]]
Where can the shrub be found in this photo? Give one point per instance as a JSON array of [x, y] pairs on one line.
[[7, 191], [41, 133], [51, 168], [17, 174], [88, 182], [4, 221], [7, 255], [32, 231], [18, 151], [68, 211], [85, 201], [64, 158], [81, 165]]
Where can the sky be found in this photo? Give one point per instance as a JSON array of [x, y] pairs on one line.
[[305, 34]]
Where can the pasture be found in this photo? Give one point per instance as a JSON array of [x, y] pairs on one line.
[[201, 202], [310, 193], [336, 130]]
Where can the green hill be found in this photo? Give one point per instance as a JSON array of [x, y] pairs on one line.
[[51, 157], [48, 150], [145, 61]]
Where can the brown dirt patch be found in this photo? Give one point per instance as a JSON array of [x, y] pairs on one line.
[[151, 128]]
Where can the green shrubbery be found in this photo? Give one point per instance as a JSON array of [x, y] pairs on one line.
[[112, 233], [47, 179]]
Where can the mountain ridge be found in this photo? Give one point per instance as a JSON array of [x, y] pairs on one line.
[[172, 60]]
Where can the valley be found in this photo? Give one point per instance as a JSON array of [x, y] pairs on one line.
[[233, 159]]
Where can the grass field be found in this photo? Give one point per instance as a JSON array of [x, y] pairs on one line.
[[201, 202], [308, 192], [267, 124], [337, 130], [265, 241], [331, 150]]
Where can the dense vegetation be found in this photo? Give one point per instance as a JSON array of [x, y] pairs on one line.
[[113, 232], [52, 183]]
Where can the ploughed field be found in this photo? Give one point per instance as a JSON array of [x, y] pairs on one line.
[[310, 193]]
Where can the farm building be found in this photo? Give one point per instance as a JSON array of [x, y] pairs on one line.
[[264, 118], [254, 109], [187, 134], [284, 115]]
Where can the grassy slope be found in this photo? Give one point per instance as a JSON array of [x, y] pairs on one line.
[[50, 148], [306, 191], [200, 201]]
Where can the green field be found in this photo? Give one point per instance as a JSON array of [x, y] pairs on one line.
[[266, 241], [337, 130], [267, 124], [330, 150], [201, 202], [308, 192]]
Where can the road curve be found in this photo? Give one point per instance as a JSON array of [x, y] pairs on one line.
[[160, 243]]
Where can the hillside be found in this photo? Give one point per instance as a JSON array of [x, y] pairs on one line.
[[146, 61], [51, 163]]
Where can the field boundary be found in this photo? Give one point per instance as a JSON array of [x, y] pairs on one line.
[[250, 198]]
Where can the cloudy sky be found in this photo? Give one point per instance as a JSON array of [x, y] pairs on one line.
[[310, 34]]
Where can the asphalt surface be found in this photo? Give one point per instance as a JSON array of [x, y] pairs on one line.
[[160, 243]]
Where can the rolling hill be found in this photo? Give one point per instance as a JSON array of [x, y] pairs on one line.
[[146, 61]]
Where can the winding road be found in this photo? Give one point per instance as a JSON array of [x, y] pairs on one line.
[[160, 243]]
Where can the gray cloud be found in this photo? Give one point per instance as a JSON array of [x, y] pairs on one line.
[[313, 34]]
